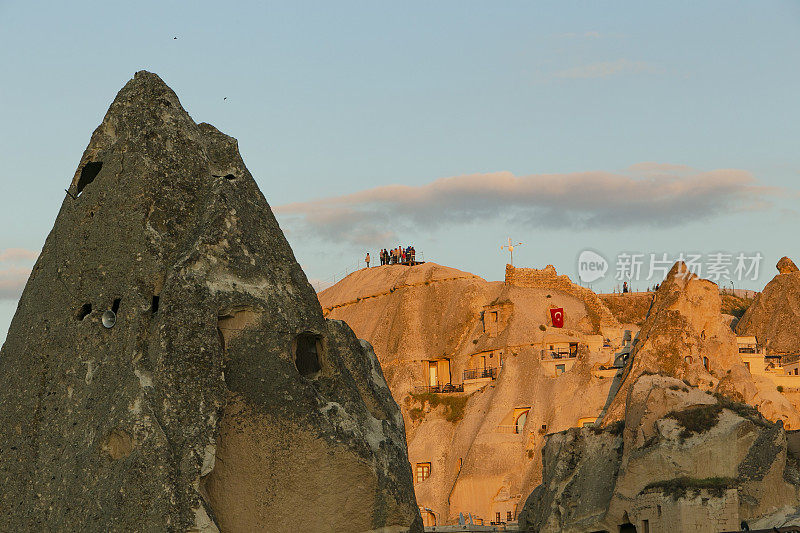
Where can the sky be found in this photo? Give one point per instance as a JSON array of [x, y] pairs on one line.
[[624, 128]]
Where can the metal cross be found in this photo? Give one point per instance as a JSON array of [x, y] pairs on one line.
[[510, 247]]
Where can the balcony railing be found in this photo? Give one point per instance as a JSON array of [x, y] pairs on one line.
[[479, 373], [562, 353], [440, 389]]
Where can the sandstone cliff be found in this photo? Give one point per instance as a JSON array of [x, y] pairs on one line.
[[774, 316], [169, 367], [478, 450]]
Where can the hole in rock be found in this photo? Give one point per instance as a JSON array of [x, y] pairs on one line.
[[115, 305], [88, 173], [307, 348], [154, 304], [230, 177], [83, 312]]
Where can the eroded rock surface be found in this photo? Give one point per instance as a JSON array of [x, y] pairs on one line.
[[774, 316], [221, 399], [478, 451], [681, 434]]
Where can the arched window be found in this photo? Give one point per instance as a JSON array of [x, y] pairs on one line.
[[519, 424], [706, 364], [688, 360], [428, 517]]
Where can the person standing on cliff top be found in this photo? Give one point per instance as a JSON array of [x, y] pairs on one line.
[[366, 260]]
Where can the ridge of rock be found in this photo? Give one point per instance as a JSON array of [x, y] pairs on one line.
[[774, 316]]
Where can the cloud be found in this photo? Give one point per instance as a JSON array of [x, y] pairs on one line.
[[14, 271], [12, 281], [18, 254], [605, 69], [649, 194]]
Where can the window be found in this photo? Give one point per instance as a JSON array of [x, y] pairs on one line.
[[706, 364], [509, 516], [519, 423], [497, 517], [688, 360], [428, 518], [560, 369], [423, 471]]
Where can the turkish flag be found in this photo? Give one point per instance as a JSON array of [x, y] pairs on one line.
[[557, 316]]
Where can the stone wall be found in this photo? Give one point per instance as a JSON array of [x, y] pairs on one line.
[[700, 512], [548, 278]]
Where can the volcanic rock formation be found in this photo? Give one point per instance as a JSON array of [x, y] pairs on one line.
[[219, 397], [436, 329], [680, 432], [774, 316]]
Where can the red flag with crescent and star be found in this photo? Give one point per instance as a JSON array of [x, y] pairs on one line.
[[557, 316]]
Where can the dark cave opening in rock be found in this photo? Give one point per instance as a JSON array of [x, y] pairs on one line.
[[88, 173], [83, 312], [307, 347]]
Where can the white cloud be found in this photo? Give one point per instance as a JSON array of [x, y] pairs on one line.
[[650, 194], [18, 254], [12, 281], [14, 271]]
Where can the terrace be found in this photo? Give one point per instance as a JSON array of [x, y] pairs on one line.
[[480, 373], [442, 388], [559, 353]]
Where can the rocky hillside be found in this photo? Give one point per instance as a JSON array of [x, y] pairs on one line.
[[688, 425], [629, 308], [774, 316], [478, 450]]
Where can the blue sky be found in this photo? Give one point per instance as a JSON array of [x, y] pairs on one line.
[[560, 124]]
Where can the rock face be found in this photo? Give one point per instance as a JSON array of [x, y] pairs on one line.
[[629, 308], [685, 337], [786, 266], [774, 316], [221, 399], [478, 450], [683, 462], [679, 432]]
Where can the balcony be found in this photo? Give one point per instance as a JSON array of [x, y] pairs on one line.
[[480, 373], [561, 353], [439, 389]]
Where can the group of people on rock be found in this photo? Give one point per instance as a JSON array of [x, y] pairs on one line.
[[396, 256]]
